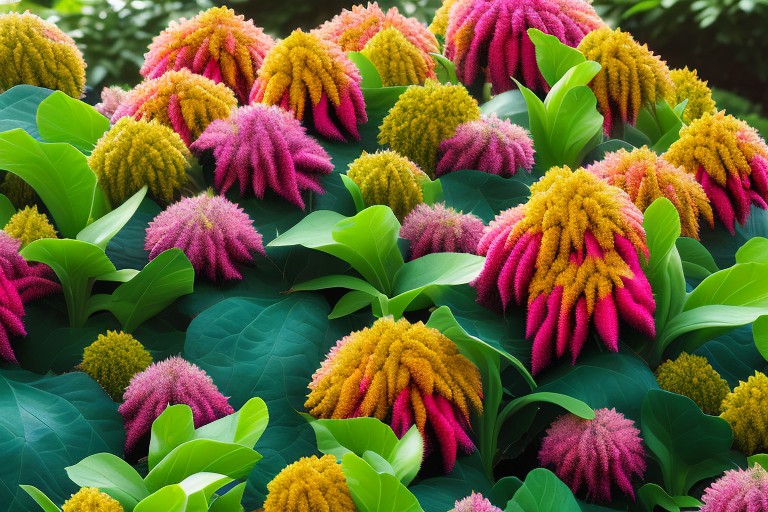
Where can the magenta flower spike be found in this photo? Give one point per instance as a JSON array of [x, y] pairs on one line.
[[739, 490], [475, 503], [11, 312], [111, 99], [432, 229]]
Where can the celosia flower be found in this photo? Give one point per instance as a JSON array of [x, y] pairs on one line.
[[28, 225], [475, 503], [387, 178], [137, 153], [90, 499], [739, 490], [18, 191], [11, 312], [423, 117], [488, 39], [397, 60], [488, 145], [304, 67], [408, 373], [692, 376], [111, 98], [570, 254], [699, 96], [310, 484], [432, 229], [213, 232], [181, 100], [217, 44], [594, 454], [265, 148], [170, 382], [631, 76], [113, 360], [730, 160], [36, 52], [646, 177], [746, 409], [440, 22]]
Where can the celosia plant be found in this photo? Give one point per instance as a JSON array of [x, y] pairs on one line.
[[217, 44], [739, 490], [591, 456], [265, 148], [689, 87], [36, 52], [28, 225], [213, 232], [90, 499], [113, 360], [439, 23], [406, 373], [310, 484], [487, 40], [397, 60], [170, 382], [488, 145], [570, 254], [435, 228], [631, 77], [181, 100], [11, 313], [111, 98], [693, 376], [646, 177], [18, 191], [137, 153], [730, 160], [746, 409], [423, 117], [474, 503]]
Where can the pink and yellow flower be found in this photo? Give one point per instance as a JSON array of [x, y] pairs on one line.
[[435, 228]]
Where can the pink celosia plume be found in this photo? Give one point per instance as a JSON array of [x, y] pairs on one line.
[[739, 490], [111, 98], [475, 503], [435, 228]]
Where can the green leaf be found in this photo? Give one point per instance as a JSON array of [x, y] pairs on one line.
[[173, 427], [100, 232], [18, 108], [696, 260], [354, 191], [61, 118], [578, 76], [7, 210], [376, 492], [230, 502], [723, 246], [735, 355], [553, 57], [482, 194], [542, 491], [369, 73], [200, 488], [760, 458], [508, 105], [444, 69], [597, 154], [169, 499], [432, 191], [538, 124], [440, 493], [503, 490], [126, 248], [244, 427], [41, 499], [355, 301], [754, 251], [651, 495], [760, 333], [577, 126], [112, 475], [338, 281]]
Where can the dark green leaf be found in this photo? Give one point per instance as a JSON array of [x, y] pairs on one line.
[[112, 475], [439, 494], [482, 194], [61, 118], [598, 153], [723, 246], [368, 72], [7, 210], [376, 492], [553, 57], [508, 105], [18, 108], [542, 491], [734, 355], [126, 248]]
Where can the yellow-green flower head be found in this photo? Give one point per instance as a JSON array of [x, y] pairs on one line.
[[699, 96], [137, 153], [387, 178], [113, 360], [397, 60], [29, 225], [18, 191], [439, 23], [746, 409], [310, 485], [424, 117], [631, 76], [89, 499], [36, 52], [693, 376]]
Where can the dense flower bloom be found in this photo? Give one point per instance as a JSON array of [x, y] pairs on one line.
[[217, 44], [739, 490], [475, 503], [113, 360], [594, 454], [693, 376], [310, 484], [265, 148], [746, 409], [36, 52], [439, 23], [28, 225], [570, 254], [730, 160], [646, 177], [436, 228], [18, 191], [488, 39], [387, 178], [699, 96], [111, 98], [406, 372], [90, 499], [170, 382], [423, 117], [11, 313], [181, 100], [137, 153], [631, 76], [488, 145], [304, 67], [397, 60], [213, 232]]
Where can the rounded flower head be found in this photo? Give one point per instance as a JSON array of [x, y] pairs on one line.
[[36, 52], [593, 455], [475, 503], [90, 499], [181, 100], [18, 191], [387, 178], [137, 153], [730, 160], [111, 98], [746, 409], [114, 359], [423, 117], [406, 373], [693, 376], [646, 177], [397, 60], [217, 44], [213, 232], [699, 96], [170, 382], [28, 225], [265, 148], [488, 145], [435, 228], [571, 255], [487, 40], [440, 22], [310, 484], [739, 490], [631, 76]]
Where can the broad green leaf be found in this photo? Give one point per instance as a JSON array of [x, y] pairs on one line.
[[7, 210], [504, 490], [538, 124], [432, 191], [597, 154], [230, 502], [376, 492], [118, 276], [579, 75], [354, 191], [697, 262], [126, 248], [570, 404], [444, 69], [723, 246], [173, 427], [542, 491], [754, 251], [553, 57], [743, 284], [482, 194], [244, 427], [440, 493], [340, 281], [112, 475], [18, 108], [735, 355], [369, 73], [760, 458], [44, 501], [760, 333], [168, 499], [100, 232], [378, 463], [61, 118], [407, 456], [354, 301], [508, 105], [576, 127], [200, 488], [651, 495]]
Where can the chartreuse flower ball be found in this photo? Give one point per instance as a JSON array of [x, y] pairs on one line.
[[308, 485], [397, 60], [689, 87], [113, 359], [29, 225], [746, 409], [90, 499], [693, 376]]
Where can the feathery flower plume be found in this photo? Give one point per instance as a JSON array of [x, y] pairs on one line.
[[439, 23], [18, 191], [111, 98], [570, 254], [692, 376], [113, 360], [739, 490], [28, 225], [397, 60], [475, 503], [310, 484], [746, 409], [11, 313], [435, 228], [689, 87], [90, 499]]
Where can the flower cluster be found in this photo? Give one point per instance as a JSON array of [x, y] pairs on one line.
[[439, 23], [746, 409], [28, 225], [310, 484], [111, 99], [474, 503], [113, 360], [435, 228], [693, 376], [90, 499], [397, 60], [689, 87], [739, 490]]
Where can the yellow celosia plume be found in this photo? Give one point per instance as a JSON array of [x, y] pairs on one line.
[[397, 60]]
